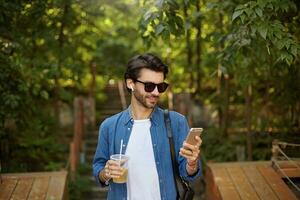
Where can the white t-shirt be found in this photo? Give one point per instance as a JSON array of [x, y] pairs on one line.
[[142, 173]]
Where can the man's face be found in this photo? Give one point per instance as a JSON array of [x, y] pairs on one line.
[[147, 99]]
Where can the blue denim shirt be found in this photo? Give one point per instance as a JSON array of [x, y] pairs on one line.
[[119, 127]]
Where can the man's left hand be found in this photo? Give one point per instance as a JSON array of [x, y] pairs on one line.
[[191, 153]]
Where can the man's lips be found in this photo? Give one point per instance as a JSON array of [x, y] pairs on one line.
[[153, 98]]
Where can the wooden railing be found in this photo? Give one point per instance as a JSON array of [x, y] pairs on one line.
[[285, 165], [76, 143]]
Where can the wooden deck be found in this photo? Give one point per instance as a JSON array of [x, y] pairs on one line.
[[34, 186], [245, 181]]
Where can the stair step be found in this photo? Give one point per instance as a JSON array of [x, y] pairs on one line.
[[89, 158], [111, 106], [91, 137], [96, 191], [91, 143], [90, 152], [110, 112]]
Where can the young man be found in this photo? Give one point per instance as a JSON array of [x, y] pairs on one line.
[[142, 129]]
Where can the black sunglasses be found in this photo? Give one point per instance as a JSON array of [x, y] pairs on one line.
[[149, 86]]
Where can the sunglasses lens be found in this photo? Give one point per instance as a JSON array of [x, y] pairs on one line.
[[149, 87], [162, 87]]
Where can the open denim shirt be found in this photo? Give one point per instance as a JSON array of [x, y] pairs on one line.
[[118, 127]]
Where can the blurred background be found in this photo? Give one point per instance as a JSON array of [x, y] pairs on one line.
[[234, 70]]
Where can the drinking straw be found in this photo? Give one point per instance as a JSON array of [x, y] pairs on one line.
[[121, 147]]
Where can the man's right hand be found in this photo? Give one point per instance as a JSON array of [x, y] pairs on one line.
[[112, 169]]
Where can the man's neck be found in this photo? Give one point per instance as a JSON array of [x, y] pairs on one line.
[[139, 112]]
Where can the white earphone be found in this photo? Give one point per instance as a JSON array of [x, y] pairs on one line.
[[131, 88]]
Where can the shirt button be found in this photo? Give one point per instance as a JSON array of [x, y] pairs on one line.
[[129, 129], [157, 163], [154, 145]]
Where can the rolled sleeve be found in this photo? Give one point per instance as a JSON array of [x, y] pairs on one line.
[[102, 153], [182, 130], [192, 178]]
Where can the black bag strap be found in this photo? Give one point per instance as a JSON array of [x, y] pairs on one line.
[[177, 177]]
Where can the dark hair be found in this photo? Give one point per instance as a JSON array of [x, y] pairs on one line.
[[148, 61]]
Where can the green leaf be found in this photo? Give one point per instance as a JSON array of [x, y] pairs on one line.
[[277, 34], [263, 31], [166, 35], [253, 29], [289, 59], [280, 44], [159, 29], [240, 7], [147, 15], [236, 14], [262, 3], [159, 3], [258, 12], [179, 22], [269, 5], [243, 18], [287, 43], [249, 12], [44, 94], [268, 48], [252, 4], [294, 50]]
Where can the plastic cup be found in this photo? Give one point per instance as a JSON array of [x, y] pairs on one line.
[[123, 165]]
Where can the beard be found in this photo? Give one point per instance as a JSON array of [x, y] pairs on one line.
[[142, 99]]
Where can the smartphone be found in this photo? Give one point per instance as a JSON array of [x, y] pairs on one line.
[[190, 139]]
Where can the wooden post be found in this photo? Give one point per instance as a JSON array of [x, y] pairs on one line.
[[275, 151], [170, 100], [92, 105], [248, 96], [80, 124], [75, 146], [72, 161], [122, 94]]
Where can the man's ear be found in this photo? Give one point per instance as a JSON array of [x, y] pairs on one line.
[[129, 84]]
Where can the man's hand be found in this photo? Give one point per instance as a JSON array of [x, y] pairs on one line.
[[112, 169], [191, 153]]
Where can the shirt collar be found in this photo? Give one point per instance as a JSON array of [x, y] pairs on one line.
[[154, 117]]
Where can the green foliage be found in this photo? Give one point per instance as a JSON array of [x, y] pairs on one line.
[[47, 49], [265, 18], [218, 148], [80, 184], [247, 43], [163, 19]]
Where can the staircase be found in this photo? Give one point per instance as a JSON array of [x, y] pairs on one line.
[[111, 106]]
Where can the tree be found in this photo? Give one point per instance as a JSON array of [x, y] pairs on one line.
[[250, 42]]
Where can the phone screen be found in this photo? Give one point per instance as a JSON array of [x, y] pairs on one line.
[[191, 136]]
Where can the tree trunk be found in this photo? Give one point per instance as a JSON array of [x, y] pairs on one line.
[[92, 116], [248, 96], [61, 39], [223, 88], [189, 49], [170, 91], [198, 52]]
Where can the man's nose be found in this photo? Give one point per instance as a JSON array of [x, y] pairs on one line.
[[155, 91]]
